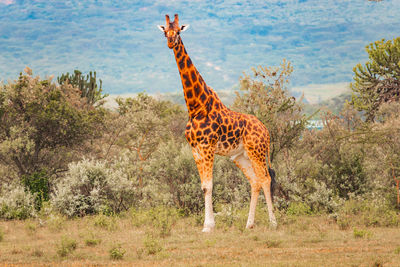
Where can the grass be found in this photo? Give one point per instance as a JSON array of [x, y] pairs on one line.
[[303, 240]]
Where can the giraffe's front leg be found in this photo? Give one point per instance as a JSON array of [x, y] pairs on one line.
[[204, 160]]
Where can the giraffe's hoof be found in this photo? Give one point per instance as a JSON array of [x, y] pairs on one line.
[[207, 229], [250, 226]]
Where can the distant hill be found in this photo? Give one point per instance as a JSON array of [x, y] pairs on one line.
[[334, 104]]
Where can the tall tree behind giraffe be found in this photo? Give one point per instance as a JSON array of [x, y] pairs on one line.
[[265, 95], [214, 129]]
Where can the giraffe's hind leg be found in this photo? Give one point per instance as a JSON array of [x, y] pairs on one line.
[[261, 171], [256, 171], [244, 163]]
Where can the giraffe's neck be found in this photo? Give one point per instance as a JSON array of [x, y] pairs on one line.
[[196, 92]]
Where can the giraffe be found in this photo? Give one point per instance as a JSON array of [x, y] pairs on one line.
[[215, 129]]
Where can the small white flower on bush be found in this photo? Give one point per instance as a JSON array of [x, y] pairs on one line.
[[91, 186], [16, 202]]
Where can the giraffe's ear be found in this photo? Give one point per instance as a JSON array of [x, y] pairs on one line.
[[184, 27], [161, 28]]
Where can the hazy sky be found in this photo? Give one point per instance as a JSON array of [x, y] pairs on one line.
[[324, 39]]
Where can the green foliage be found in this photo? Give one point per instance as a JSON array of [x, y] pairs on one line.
[[229, 216], [369, 212], [378, 81], [265, 95], [152, 245], [359, 233], [92, 241], [1, 235], [42, 123], [38, 184], [66, 246], [88, 87], [106, 222], [161, 218], [117, 252], [298, 208], [175, 174]]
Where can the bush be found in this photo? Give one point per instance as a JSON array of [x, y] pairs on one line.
[[105, 222], [361, 233], [152, 245], [298, 208], [174, 173], [16, 202], [368, 212], [91, 187], [162, 218], [38, 184], [66, 246], [116, 252], [92, 241]]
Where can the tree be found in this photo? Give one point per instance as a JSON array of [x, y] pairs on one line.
[[43, 125], [88, 86], [379, 80], [140, 125], [265, 95]]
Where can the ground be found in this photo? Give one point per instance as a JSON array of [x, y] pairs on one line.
[[151, 239]]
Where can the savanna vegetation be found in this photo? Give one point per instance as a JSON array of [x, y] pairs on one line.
[[83, 183]]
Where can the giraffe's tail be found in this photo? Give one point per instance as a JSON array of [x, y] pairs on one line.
[[273, 182], [271, 172]]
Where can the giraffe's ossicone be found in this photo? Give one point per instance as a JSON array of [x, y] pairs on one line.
[[214, 129]]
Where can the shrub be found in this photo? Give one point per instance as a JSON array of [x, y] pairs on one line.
[[16, 202], [105, 222], [175, 173], [152, 245], [116, 252], [298, 208], [55, 222], [361, 233], [228, 216], [92, 241], [38, 184], [91, 187], [367, 212], [66, 246], [162, 218], [1, 235]]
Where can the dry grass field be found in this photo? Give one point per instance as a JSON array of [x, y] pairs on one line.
[[151, 239]]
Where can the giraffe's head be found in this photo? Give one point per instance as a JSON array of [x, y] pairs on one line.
[[172, 30]]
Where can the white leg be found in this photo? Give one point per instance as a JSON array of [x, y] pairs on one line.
[[255, 190], [267, 192], [205, 171], [209, 222], [243, 162]]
